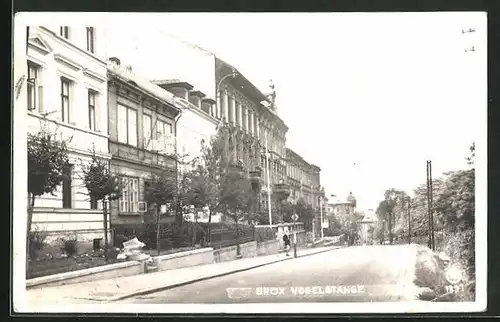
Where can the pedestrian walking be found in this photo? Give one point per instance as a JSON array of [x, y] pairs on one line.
[[286, 242]]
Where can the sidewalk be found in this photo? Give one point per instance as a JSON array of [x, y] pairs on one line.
[[125, 287]]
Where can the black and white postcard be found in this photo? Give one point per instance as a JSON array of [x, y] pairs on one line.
[[249, 162]]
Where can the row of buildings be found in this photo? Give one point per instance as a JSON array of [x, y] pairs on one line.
[[141, 125]]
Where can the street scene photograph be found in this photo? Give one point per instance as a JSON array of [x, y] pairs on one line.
[[249, 162]]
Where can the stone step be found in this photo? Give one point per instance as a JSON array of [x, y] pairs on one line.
[[151, 268]]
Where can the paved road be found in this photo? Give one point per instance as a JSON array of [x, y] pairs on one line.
[[353, 274]]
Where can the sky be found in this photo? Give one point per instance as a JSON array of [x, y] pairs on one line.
[[367, 97]]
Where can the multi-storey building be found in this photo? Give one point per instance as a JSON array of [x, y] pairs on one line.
[[67, 95], [196, 125], [142, 137], [305, 183], [255, 126], [237, 102], [260, 138]]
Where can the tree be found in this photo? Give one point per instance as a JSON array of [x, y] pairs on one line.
[[455, 209], [101, 185], [351, 227], [305, 213], [386, 210], [471, 158], [334, 227], [48, 163], [287, 209], [380, 231], [161, 190], [210, 183]]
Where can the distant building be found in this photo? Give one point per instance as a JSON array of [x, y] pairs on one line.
[[340, 210], [367, 224], [305, 183]]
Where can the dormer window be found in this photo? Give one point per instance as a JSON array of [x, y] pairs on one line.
[[64, 32]]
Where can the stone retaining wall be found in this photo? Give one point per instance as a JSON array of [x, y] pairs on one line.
[[185, 259], [87, 275]]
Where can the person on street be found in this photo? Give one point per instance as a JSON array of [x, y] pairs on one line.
[[286, 242]]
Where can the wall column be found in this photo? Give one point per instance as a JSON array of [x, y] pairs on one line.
[[257, 125], [231, 103], [224, 107], [250, 121]]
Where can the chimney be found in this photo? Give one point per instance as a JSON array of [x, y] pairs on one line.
[[115, 61]]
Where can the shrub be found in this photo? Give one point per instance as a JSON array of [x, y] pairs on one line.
[[460, 246], [37, 242], [69, 245]]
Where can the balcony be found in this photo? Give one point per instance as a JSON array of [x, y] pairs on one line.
[[282, 190], [256, 178]]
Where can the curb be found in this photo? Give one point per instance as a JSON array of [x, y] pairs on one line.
[[167, 287]]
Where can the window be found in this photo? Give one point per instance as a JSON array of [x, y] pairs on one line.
[[130, 195], [32, 83], [90, 39], [66, 187], [164, 135], [92, 123], [64, 32], [127, 125], [146, 125], [93, 202], [65, 85]]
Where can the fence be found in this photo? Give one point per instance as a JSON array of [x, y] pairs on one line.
[[230, 236], [171, 235], [187, 234], [263, 234]]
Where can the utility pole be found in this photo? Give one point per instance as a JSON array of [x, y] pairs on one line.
[[268, 168], [429, 205], [321, 215], [409, 221]]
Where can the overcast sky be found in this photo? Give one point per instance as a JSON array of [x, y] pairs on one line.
[[383, 91]]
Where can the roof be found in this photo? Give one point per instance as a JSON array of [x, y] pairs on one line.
[[240, 81], [144, 84], [292, 154], [339, 202], [172, 83]]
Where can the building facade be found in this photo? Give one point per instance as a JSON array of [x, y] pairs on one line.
[[196, 124], [142, 138], [305, 183], [67, 95], [341, 210], [239, 104], [260, 134], [367, 226]]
